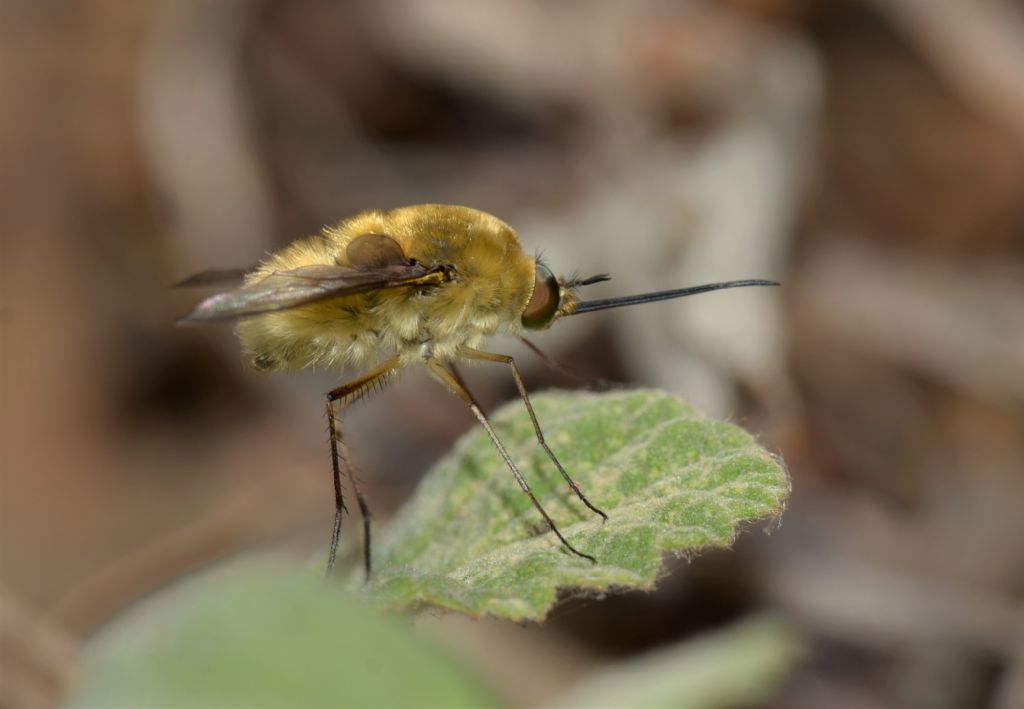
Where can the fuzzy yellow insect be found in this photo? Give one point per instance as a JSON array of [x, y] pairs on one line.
[[383, 290]]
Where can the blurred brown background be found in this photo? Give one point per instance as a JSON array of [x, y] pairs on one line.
[[869, 154]]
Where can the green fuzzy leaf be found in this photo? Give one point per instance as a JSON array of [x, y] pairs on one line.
[[253, 634], [741, 665], [670, 480]]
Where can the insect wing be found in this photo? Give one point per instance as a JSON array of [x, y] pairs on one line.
[[215, 277], [307, 284]]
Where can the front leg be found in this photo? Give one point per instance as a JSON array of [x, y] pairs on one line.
[[470, 353], [451, 382]]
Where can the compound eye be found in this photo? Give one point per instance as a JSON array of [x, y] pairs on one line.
[[543, 305]]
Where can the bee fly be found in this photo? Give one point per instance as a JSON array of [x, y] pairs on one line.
[[384, 290]]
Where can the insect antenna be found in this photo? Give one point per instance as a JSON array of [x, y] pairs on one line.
[[574, 281]]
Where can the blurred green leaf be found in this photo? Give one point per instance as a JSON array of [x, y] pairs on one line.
[[253, 635], [739, 666], [670, 479]]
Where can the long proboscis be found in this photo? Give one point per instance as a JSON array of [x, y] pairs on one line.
[[588, 306]]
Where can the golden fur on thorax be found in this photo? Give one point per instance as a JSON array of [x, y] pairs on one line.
[[493, 283]]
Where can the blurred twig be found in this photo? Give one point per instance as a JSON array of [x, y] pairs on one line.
[[253, 514], [1011, 690], [37, 657], [196, 126], [961, 324], [978, 45], [864, 603]]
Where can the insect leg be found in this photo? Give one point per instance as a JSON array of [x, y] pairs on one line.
[[594, 382], [471, 353], [552, 364], [441, 374], [343, 396]]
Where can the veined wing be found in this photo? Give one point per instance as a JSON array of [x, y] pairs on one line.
[[365, 253], [215, 277], [281, 290]]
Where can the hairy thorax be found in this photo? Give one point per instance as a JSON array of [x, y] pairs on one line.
[[491, 283]]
